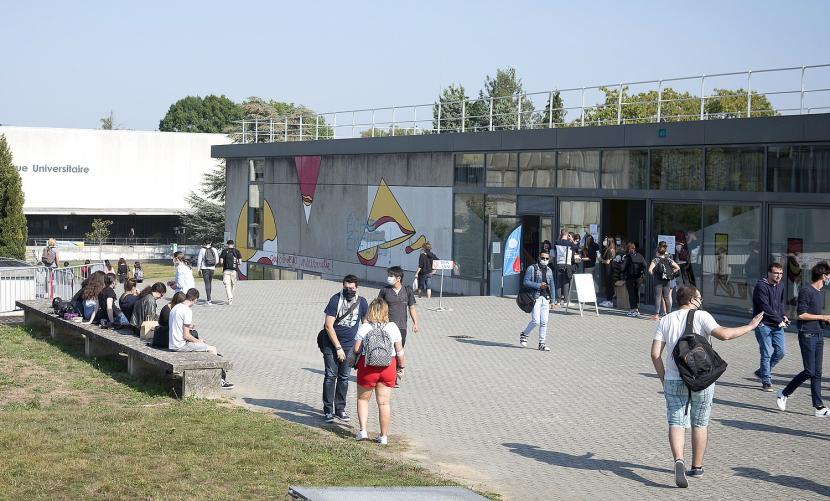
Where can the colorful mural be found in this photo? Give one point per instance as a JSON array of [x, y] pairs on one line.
[[268, 253], [388, 226], [308, 169]]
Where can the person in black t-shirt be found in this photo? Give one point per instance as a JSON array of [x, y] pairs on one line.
[[425, 271], [811, 322], [633, 269], [229, 260], [400, 299], [108, 310]]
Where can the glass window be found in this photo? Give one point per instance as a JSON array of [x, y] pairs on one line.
[[468, 234], [683, 222], [256, 176], [537, 169], [734, 169], [731, 256], [256, 170], [624, 169], [501, 205], [578, 215], [578, 169], [469, 169], [677, 169], [798, 239], [501, 169], [804, 169]]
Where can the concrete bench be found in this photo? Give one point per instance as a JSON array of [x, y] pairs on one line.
[[199, 373]]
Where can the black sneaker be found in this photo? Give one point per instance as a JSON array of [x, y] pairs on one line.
[[329, 417], [523, 340], [758, 374], [695, 472], [766, 387], [342, 416], [227, 385], [680, 474]]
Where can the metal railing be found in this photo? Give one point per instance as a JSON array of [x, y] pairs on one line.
[[42, 241], [40, 282], [795, 90]]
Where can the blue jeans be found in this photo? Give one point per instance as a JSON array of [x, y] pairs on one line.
[[812, 355], [771, 344], [336, 381]]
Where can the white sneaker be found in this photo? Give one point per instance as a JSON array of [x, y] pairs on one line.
[[823, 412], [230, 302], [781, 401], [208, 303], [382, 440], [361, 435]]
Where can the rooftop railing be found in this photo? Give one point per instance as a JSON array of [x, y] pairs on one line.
[[795, 90]]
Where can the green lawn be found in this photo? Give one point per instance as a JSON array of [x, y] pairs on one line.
[[75, 428]]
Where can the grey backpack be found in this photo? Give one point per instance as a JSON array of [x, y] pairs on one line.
[[377, 348]]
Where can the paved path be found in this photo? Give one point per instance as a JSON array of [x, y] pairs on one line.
[[585, 421]]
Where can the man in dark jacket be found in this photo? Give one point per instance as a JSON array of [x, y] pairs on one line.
[[633, 269], [769, 299]]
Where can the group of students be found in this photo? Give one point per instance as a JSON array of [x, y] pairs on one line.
[[371, 338]]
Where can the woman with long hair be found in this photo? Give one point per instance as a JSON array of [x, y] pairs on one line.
[[184, 274], [123, 270], [370, 378], [108, 267], [128, 297], [89, 295]]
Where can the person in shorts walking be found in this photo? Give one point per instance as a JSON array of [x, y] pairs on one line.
[[206, 262], [229, 259], [669, 331], [811, 323]]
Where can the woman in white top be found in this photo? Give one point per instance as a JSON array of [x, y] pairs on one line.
[[381, 380], [184, 274]]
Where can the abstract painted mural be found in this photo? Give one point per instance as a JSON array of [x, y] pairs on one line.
[[400, 221], [308, 169], [268, 253]]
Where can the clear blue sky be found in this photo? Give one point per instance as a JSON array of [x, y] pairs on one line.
[[66, 64]]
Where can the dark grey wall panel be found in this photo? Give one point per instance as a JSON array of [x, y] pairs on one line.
[[392, 168], [816, 128], [540, 139], [677, 134], [754, 130], [343, 169], [591, 137]]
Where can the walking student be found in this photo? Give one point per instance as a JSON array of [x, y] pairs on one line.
[[229, 259], [184, 274], [633, 268], [539, 280], [50, 257], [669, 330], [424, 272], [566, 252], [810, 324], [768, 298], [123, 270], [663, 268], [206, 262], [344, 313], [400, 300], [384, 338]]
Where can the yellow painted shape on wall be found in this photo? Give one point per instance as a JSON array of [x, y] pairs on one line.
[[241, 238]]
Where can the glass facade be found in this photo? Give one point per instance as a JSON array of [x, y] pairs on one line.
[[577, 169], [501, 170], [676, 169], [681, 221], [734, 169], [537, 169], [802, 169], [468, 234], [256, 209], [624, 169], [469, 169]]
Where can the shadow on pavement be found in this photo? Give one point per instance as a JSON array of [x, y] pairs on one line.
[[587, 462], [746, 425], [783, 480], [482, 342], [299, 412], [352, 378], [743, 405]]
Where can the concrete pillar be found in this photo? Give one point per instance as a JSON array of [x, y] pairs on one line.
[[201, 383], [95, 348]]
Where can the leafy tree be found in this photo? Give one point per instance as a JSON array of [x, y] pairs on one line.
[[450, 103], [211, 114], [544, 119], [205, 220], [398, 131], [213, 184], [302, 123], [505, 91], [726, 103], [100, 231], [13, 232], [108, 122]]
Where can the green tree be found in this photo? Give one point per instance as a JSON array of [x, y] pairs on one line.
[[726, 103], [205, 219], [544, 119], [13, 232], [505, 93], [452, 104], [100, 231], [274, 117], [108, 122], [211, 114], [398, 131]]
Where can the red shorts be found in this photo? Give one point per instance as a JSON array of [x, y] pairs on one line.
[[369, 377]]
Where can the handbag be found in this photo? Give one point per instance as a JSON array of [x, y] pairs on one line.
[[323, 335]]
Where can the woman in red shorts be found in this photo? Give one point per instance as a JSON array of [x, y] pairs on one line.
[[379, 379]]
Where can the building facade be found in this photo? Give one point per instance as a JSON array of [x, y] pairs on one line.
[[731, 195]]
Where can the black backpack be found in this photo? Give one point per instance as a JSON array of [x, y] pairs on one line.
[[525, 299], [663, 271], [210, 257], [697, 362]]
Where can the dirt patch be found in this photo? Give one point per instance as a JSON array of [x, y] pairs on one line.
[[24, 382]]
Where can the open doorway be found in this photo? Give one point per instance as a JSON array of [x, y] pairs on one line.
[[625, 220]]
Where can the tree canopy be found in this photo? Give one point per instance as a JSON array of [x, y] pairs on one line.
[[13, 231], [211, 114]]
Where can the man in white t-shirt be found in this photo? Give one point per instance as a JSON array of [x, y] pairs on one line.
[[206, 262], [669, 330], [182, 332]]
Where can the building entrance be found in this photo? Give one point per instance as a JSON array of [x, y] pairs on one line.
[[624, 221]]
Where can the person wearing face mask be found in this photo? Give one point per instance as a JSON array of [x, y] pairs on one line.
[[539, 281], [811, 323], [670, 329], [768, 298], [400, 299], [344, 313]]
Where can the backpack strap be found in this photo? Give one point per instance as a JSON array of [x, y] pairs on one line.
[[689, 331]]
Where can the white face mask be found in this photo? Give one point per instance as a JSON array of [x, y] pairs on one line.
[[544, 262], [827, 281], [390, 280]]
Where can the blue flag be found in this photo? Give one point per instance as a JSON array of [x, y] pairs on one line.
[[512, 258]]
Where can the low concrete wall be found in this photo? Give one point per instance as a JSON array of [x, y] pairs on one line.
[[96, 252]]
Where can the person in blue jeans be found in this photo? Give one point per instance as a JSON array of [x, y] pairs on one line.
[[539, 281], [811, 322], [768, 298]]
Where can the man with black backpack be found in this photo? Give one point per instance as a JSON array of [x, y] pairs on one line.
[[539, 282], [206, 262], [633, 269], [664, 269], [344, 313], [689, 387]]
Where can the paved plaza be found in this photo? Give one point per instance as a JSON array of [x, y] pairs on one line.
[[585, 421]]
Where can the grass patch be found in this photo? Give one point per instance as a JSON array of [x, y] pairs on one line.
[[72, 430]]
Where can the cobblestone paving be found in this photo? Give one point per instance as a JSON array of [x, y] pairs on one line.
[[585, 421]]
